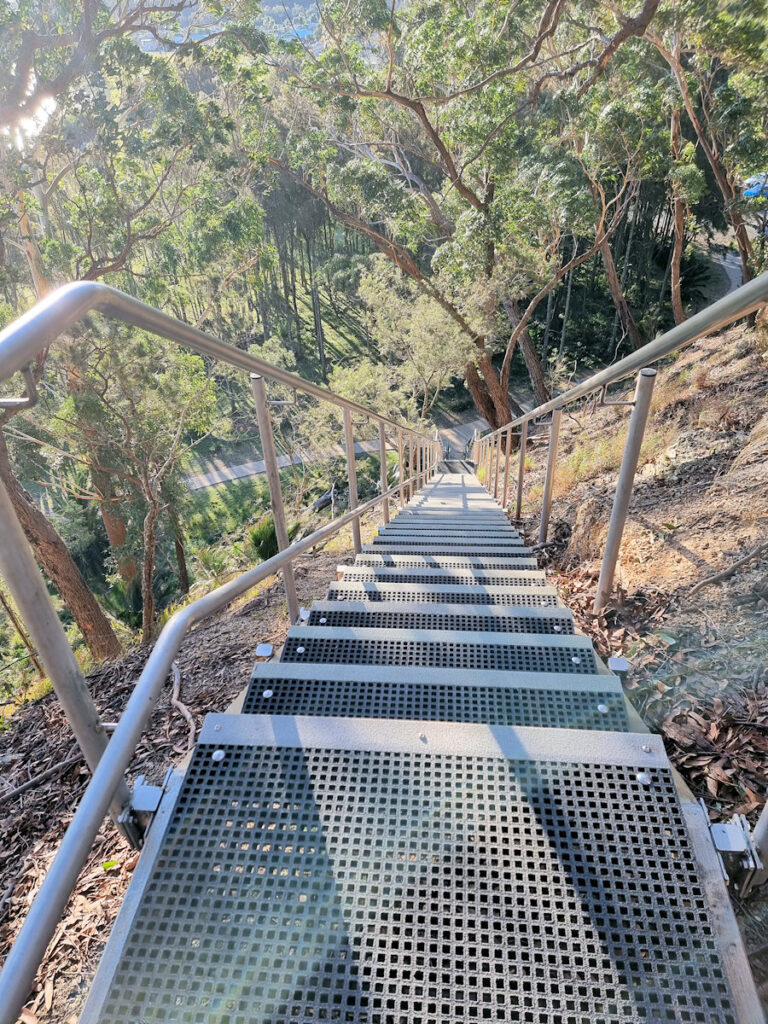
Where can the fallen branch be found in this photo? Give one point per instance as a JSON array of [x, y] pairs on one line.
[[727, 573], [40, 778], [180, 707]]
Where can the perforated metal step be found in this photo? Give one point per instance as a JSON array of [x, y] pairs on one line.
[[467, 562], [511, 652], [451, 593], [478, 618], [443, 695], [459, 541], [510, 578], [453, 528], [418, 873]]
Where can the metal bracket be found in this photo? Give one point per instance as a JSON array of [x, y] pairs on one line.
[[738, 856], [293, 401], [619, 667], [264, 652], [602, 403], [30, 393]]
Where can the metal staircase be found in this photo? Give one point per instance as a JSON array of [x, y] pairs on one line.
[[431, 809], [436, 807]]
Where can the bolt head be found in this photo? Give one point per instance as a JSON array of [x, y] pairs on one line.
[[217, 755], [603, 709], [643, 778], [267, 694], [300, 650]]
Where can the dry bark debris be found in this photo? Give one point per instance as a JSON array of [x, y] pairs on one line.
[[215, 663]]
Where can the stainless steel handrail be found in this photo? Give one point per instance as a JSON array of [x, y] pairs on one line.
[[42, 325], [739, 303], [20, 344], [40, 924]]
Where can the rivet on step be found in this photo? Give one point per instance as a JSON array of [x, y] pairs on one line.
[[557, 629], [300, 650], [576, 659], [643, 778], [603, 709], [217, 728], [217, 755], [323, 621], [423, 737], [647, 748], [267, 694]]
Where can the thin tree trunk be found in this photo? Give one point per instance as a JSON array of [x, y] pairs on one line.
[[678, 224], [148, 571], [566, 311], [18, 625], [52, 553], [181, 560], [627, 321], [548, 326]]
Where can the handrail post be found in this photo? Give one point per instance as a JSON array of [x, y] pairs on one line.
[[401, 463], [412, 484], [383, 467], [643, 394], [498, 464], [487, 474], [259, 392], [19, 570], [521, 470], [546, 505], [505, 489], [760, 836], [349, 443]]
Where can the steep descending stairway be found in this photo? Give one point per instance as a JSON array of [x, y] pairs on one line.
[[432, 809]]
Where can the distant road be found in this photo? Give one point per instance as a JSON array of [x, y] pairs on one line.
[[222, 473]]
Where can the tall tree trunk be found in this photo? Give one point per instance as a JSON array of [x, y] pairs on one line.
[[148, 571], [711, 150], [115, 526], [566, 311], [318, 322], [530, 357], [627, 321], [52, 553], [181, 558], [548, 326], [678, 224]]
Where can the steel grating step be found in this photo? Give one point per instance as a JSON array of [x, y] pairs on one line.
[[449, 593], [455, 526], [467, 562], [398, 615], [510, 578], [502, 652], [418, 873], [445, 695], [513, 557], [459, 541]]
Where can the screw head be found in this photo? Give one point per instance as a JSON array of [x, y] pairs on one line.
[[576, 659], [647, 748], [557, 629], [603, 709], [267, 694], [643, 778], [217, 755], [323, 621], [300, 650]]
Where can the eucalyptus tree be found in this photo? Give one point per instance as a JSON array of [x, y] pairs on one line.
[[412, 124]]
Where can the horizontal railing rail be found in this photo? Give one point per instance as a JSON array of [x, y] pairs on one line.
[[20, 345]]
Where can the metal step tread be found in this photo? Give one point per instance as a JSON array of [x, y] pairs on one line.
[[413, 615], [541, 699], [359, 870], [369, 589], [470, 650], [524, 578], [394, 558]]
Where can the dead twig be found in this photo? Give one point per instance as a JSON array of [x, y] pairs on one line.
[[6, 797], [727, 573], [181, 707]]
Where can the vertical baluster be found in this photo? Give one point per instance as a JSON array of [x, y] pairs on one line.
[[349, 442]]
